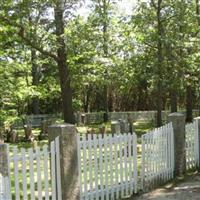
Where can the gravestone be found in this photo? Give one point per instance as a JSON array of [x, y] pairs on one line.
[[115, 127]]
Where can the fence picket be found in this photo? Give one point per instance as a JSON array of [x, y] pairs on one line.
[[106, 157], [31, 171], [16, 173], [9, 194], [58, 173], [24, 182], [90, 166], [125, 166], [135, 169], [39, 181], [96, 166], [53, 167], [111, 165], [101, 166], [46, 173], [116, 165]]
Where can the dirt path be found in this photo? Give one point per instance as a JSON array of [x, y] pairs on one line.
[[187, 190]]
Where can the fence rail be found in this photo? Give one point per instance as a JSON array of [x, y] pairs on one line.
[[107, 166]]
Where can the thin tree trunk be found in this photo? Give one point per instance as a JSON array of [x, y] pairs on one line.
[[105, 49], [159, 65], [65, 83], [173, 100], [198, 11], [35, 82], [189, 103]]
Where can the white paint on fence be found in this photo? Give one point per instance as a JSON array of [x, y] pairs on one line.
[[4, 186], [34, 174], [157, 156], [107, 166], [192, 145]]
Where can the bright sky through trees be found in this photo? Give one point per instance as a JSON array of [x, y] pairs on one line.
[[125, 6]]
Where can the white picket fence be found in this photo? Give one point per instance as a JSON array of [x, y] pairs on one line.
[[157, 157], [34, 174], [107, 166], [192, 145]]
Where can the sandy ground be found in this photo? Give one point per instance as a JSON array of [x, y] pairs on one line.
[[189, 189]]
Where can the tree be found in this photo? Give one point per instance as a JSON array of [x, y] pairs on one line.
[[42, 45]]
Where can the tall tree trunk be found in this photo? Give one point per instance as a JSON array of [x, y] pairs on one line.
[[65, 82], [87, 94], [159, 64], [105, 50], [189, 103], [35, 81], [198, 11], [173, 80], [173, 100]]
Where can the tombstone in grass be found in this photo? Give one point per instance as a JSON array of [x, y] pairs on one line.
[[83, 118], [68, 159], [14, 136], [130, 121], [102, 129], [1, 136], [124, 125], [178, 123], [78, 118], [44, 128], [28, 132], [115, 127]]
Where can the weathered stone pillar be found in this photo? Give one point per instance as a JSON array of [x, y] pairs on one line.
[[198, 120], [178, 123], [68, 159], [115, 127], [4, 176]]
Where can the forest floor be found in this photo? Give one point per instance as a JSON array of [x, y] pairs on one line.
[[187, 189]]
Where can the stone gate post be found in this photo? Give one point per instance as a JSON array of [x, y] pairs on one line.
[[68, 159], [178, 123], [198, 120], [4, 176]]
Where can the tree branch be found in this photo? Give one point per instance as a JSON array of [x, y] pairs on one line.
[[153, 3], [30, 43]]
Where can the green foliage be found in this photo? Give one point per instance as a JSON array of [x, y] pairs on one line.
[[122, 58]]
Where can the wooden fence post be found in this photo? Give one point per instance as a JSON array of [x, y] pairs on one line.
[[4, 176], [178, 123], [68, 159], [198, 120]]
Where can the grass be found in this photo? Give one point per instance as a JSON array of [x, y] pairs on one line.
[[141, 127]]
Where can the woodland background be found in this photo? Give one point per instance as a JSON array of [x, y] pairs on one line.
[[54, 60]]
